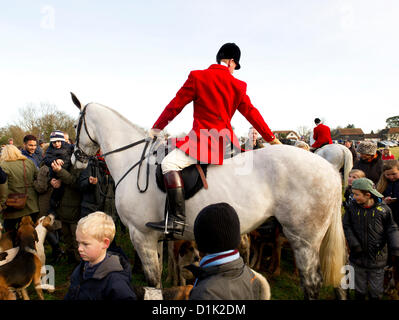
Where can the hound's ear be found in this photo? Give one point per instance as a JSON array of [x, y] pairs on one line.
[[76, 101]]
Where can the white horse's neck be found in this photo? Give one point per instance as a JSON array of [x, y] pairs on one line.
[[113, 131]]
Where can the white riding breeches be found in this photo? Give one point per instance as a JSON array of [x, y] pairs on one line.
[[176, 160]]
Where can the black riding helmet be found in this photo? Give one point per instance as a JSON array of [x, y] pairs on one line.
[[229, 51]]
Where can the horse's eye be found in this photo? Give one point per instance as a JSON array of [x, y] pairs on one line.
[[75, 126]]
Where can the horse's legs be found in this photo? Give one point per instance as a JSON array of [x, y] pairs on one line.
[[147, 249], [308, 264]]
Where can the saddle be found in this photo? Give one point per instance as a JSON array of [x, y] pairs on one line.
[[191, 177]]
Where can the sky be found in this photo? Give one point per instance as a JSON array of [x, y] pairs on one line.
[[301, 59]]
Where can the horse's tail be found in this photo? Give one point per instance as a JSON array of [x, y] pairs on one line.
[[348, 164], [333, 248]]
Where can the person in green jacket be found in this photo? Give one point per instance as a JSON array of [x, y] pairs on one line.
[[13, 162], [68, 210]]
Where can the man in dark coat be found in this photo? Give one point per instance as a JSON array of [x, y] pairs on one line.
[[370, 161], [97, 188], [30, 150]]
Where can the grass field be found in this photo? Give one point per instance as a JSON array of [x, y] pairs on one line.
[[395, 152], [286, 286]]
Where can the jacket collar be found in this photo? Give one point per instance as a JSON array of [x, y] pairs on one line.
[[219, 66]]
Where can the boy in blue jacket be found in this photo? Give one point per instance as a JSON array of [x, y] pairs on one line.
[[102, 275]]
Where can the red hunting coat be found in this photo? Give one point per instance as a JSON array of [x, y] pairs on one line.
[[216, 95], [321, 136]]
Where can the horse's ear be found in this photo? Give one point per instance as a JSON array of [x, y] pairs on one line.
[[76, 101]]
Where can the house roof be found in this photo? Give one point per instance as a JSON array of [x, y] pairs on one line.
[[285, 132], [350, 131], [393, 130]]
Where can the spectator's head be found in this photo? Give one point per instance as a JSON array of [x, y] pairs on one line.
[[217, 228], [355, 174], [348, 143], [30, 143], [253, 135], [302, 145], [11, 141], [11, 153], [364, 190], [367, 150], [317, 121], [94, 233], [57, 138]]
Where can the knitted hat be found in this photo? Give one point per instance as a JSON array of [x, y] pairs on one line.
[[366, 185], [217, 228], [57, 136], [367, 147]]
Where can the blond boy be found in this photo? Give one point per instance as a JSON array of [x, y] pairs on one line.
[[101, 275]]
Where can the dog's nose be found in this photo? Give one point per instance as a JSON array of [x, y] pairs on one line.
[[196, 258]]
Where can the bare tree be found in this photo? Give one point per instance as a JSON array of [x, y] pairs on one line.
[[304, 132], [39, 120]]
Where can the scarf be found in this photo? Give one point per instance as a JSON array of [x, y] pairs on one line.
[[217, 259]]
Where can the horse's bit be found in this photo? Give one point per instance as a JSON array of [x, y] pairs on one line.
[[83, 157]]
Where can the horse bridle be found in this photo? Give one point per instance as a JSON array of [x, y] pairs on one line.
[[83, 157]]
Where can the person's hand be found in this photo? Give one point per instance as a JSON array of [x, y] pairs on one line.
[[154, 133], [55, 183], [56, 166], [93, 180], [389, 200], [60, 162], [275, 141]]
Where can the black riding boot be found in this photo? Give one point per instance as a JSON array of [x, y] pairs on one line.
[[175, 221]]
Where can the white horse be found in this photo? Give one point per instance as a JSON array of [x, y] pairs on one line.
[[338, 155], [301, 190]]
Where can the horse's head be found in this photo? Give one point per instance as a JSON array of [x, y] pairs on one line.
[[86, 145]]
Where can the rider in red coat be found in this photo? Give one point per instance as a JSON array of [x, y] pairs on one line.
[[321, 134], [216, 95]]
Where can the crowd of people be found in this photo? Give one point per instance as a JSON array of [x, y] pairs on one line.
[[53, 186]]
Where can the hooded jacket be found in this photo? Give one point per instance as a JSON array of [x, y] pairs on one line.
[[110, 281], [230, 281], [368, 231]]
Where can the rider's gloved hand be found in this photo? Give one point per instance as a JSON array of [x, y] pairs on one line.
[[154, 133], [275, 141]]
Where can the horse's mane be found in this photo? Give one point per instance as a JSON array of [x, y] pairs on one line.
[[127, 121]]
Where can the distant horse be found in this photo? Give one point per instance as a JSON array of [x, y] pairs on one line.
[[339, 156], [301, 189]]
